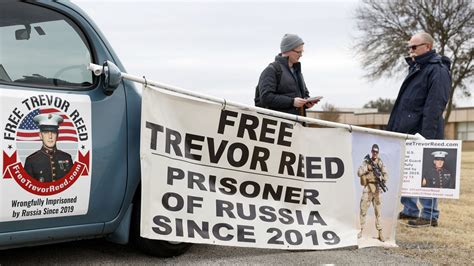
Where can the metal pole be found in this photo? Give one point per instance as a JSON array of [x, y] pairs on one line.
[[97, 70]]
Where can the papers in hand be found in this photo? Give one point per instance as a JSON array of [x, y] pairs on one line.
[[314, 99]]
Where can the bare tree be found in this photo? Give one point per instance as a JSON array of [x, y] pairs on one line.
[[330, 113], [382, 105], [387, 25]]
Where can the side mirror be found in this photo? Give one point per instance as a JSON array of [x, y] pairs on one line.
[[23, 34], [112, 76]]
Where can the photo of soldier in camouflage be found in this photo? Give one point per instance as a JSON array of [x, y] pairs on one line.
[[373, 176]]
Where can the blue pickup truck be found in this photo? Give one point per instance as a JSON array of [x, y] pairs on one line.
[[70, 141]]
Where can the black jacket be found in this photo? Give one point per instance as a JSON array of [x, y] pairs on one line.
[[48, 165], [423, 97], [438, 178], [281, 98]]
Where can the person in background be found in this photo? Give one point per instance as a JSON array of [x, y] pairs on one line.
[[281, 86], [419, 109]]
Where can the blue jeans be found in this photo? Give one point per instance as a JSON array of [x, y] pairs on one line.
[[411, 209]]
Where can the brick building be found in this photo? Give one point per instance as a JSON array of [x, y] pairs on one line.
[[460, 125]]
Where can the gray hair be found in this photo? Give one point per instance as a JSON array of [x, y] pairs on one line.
[[426, 37]]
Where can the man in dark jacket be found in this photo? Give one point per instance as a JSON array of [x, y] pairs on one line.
[[419, 109], [281, 86]]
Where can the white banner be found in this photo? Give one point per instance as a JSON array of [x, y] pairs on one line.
[[217, 175], [432, 169]]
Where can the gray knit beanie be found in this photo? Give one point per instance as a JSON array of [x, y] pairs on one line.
[[290, 42]]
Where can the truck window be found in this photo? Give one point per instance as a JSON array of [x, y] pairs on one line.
[[41, 47]]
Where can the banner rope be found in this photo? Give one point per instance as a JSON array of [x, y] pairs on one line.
[[98, 70]]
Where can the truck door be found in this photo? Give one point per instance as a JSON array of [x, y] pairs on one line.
[[63, 141]]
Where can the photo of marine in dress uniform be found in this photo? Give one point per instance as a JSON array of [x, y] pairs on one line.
[[438, 176], [48, 164]]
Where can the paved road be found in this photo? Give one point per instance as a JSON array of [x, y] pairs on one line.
[[99, 251]]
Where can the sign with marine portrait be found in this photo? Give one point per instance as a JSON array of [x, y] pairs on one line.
[[46, 155], [432, 169]]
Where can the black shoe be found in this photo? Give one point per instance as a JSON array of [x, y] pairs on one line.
[[402, 216], [423, 222]]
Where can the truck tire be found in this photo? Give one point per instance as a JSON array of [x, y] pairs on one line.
[[158, 248]]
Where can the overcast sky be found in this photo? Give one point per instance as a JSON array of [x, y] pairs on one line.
[[221, 47]]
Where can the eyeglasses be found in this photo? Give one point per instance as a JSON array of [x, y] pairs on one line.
[[375, 151], [413, 47], [298, 52]]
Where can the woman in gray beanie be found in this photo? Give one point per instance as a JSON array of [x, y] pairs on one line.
[[281, 86]]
